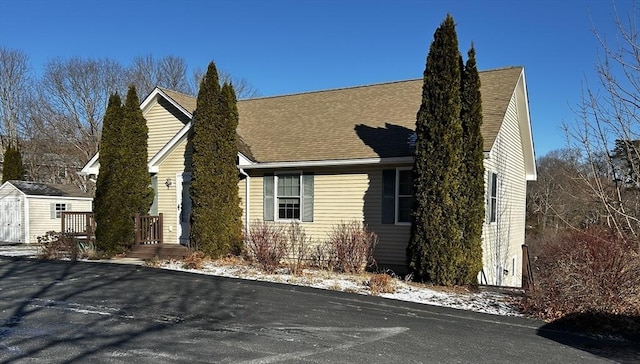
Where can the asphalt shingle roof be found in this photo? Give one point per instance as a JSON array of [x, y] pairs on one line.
[[373, 121], [48, 189]]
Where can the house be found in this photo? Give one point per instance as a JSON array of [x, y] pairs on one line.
[[342, 155], [30, 209]]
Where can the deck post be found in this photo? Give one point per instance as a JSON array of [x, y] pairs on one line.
[[137, 227], [160, 229]]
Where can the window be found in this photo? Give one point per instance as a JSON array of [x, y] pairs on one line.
[[404, 195], [59, 207], [397, 195], [288, 196], [492, 207]]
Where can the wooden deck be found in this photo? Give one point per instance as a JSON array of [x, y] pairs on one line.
[[162, 251]]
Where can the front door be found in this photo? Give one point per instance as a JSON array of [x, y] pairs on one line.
[[183, 181]]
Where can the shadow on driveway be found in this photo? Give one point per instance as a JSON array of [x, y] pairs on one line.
[[88, 310], [615, 337]]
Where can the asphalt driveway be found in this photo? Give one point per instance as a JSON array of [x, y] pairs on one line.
[[54, 311]]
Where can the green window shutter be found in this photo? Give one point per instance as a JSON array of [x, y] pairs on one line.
[[53, 210], [268, 197], [388, 196], [307, 197]]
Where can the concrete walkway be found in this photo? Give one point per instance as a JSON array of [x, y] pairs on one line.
[[34, 250]]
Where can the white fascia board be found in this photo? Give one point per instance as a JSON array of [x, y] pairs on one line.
[[91, 167], [153, 96], [154, 163], [8, 183], [329, 163], [36, 197], [243, 160], [526, 136]]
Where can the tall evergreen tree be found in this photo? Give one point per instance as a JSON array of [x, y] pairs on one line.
[[108, 202], [215, 214], [139, 194], [434, 252], [471, 201], [122, 189], [12, 167]]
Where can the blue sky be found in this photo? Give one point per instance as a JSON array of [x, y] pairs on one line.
[[287, 46]]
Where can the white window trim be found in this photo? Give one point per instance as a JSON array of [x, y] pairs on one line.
[[59, 212], [397, 196], [276, 204], [490, 199]]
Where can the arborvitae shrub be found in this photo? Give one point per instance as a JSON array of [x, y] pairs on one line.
[[216, 225], [435, 251]]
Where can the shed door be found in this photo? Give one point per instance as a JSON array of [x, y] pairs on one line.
[[10, 219]]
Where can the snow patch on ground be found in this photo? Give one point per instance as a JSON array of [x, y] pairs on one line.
[[487, 302], [483, 301], [19, 250]]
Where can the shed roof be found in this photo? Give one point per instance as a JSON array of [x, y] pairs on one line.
[[48, 189]]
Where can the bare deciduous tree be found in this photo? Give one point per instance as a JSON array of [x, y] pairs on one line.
[[74, 93], [147, 72], [15, 90], [610, 112], [244, 90]]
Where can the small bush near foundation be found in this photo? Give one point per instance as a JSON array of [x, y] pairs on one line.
[[195, 260], [584, 271], [299, 247], [154, 262], [320, 256], [56, 245], [381, 283], [351, 246], [266, 245]]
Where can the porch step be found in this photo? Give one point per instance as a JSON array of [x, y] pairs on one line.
[[163, 251]]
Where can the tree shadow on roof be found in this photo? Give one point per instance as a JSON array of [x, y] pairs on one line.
[[388, 141]]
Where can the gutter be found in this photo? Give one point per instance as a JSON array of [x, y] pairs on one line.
[[329, 163]]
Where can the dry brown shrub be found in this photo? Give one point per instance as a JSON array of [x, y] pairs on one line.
[[56, 245], [154, 262], [351, 246], [195, 260], [299, 247], [320, 256], [267, 245], [591, 270], [381, 283]]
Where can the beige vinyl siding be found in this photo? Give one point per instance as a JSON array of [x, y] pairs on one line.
[[163, 125], [177, 162], [343, 195], [503, 240], [40, 220], [10, 191]]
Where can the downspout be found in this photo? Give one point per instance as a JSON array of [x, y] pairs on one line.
[[246, 201]]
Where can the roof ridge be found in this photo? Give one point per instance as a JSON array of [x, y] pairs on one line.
[[164, 89], [504, 68], [332, 89]]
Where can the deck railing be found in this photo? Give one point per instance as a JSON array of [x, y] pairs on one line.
[[81, 225], [148, 229]]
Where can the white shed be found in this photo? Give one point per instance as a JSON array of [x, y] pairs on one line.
[[31, 209]]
